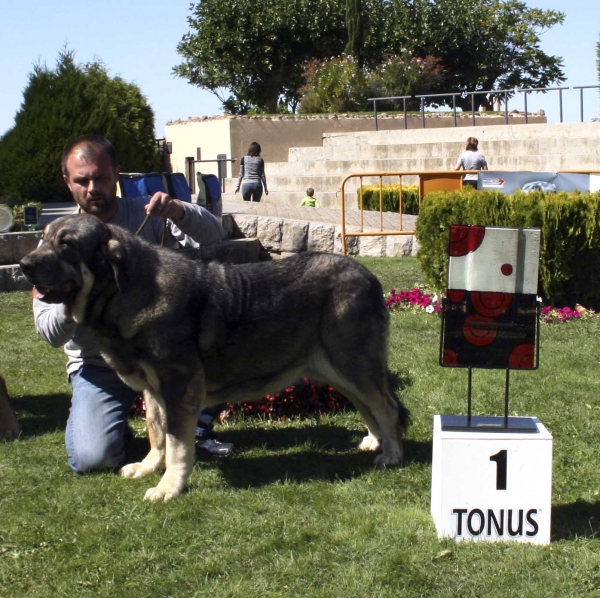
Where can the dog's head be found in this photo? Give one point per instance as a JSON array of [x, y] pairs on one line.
[[78, 250]]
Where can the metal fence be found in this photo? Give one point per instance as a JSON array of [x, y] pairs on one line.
[[497, 93]]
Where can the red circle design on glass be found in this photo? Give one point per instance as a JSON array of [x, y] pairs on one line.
[[455, 296], [478, 331], [465, 239], [450, 357], [491, 305], [522, 357], [506, 269]]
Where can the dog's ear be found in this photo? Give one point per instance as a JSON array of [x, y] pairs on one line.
[[115, 255]]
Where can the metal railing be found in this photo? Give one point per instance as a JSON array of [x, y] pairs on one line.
[[190, 169], [428, 181], [494, 92]]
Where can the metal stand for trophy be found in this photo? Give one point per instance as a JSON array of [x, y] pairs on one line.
[[491, 475]]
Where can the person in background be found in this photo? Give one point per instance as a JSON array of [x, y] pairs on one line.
[[310, 200], [471, 159], [252, 177], [97, 431]]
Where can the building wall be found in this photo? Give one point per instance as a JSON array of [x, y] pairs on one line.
[[211, 136], [231, 135]]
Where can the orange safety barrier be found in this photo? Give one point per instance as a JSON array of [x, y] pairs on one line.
[[441, 180], [429, 181]]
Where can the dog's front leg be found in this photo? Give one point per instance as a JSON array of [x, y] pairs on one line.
[[180, 457], [182, 416], [156, 424]]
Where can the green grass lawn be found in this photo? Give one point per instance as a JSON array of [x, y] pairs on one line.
[[298, 511]]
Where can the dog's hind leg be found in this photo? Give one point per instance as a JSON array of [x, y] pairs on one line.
[[386, 419], [365, 383], [156, 424]]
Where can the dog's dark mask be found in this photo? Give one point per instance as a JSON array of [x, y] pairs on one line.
[[71, 244]]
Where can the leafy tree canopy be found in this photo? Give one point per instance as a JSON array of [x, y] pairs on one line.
[[61, 104], [253, 56], [482, 44]]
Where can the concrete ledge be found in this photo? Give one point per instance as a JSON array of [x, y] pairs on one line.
[[282, 237], [13, 246]]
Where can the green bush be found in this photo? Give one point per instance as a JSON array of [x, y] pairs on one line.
[[60, 104], [410, 198], [19, 214], [570, 236]]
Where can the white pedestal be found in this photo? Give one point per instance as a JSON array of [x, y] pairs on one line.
[[492, 486]]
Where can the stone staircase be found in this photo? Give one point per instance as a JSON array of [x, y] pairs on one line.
[[535, 147]]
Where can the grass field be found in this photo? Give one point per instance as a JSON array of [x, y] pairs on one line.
[[298, 511]]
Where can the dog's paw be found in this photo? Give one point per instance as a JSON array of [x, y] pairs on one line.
[[133, 470], [10, 432], [158, 493], [391, 458], [369, 443]]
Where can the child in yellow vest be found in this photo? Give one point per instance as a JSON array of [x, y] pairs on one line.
[[309, 200]]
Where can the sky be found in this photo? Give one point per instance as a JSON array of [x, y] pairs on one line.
[[137, 40]]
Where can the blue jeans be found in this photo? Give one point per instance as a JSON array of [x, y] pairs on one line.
[[252, 191], [97, 432]]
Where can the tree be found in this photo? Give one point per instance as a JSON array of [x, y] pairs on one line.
[[481, 44], [61, 104], [251, 55], [355, 26]]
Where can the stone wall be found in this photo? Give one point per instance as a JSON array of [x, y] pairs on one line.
[[232, 135]]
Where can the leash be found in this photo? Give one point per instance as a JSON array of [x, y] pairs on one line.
[[164, 230]]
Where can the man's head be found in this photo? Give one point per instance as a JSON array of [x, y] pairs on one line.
[[91, 171]]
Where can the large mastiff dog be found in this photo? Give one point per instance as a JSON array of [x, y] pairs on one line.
[[190, 334]]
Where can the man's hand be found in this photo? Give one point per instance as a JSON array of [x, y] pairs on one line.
[[162, 205]]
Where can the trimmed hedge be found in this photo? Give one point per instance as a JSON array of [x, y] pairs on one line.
[[410, 198], [570, 236]]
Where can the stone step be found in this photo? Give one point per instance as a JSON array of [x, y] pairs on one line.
[[320, 183], [326, 199], [548, 162], [518, 133], [446, 150]]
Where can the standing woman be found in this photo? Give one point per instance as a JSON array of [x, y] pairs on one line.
[[252, 174], [471, 159]]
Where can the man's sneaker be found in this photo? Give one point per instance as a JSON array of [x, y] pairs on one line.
[[215, 447]]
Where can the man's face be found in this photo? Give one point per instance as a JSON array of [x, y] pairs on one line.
[[92, 182]]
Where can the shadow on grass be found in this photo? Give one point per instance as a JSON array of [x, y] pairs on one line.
[[580, 519], [329, 455], [40, 414]]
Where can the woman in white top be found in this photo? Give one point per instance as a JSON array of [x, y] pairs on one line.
[[471, 159]]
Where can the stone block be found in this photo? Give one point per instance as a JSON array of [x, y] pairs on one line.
[[238, 251], [399, 245], [352, 244], [294, 236], [245, 225], [373, 246], [269, 233], [228, 225], [321, 237]]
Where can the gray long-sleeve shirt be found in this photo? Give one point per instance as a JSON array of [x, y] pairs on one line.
[[52, 321], [252, 170]]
